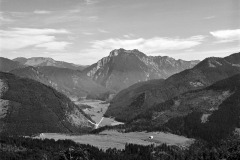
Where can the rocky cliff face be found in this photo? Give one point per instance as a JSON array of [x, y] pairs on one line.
[[123, 68], [202, 75], [29, 107]]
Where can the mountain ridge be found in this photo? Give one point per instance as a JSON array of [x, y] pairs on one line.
[[47, 61], [7, 65], [210, 113], [123, 68], [203, 74], [72, 83]]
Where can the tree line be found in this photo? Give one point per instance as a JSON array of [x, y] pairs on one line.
[[21, 148]]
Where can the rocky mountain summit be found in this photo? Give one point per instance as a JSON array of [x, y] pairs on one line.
[[123, 68]]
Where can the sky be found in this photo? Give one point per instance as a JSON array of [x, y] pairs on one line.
[[84, 31]]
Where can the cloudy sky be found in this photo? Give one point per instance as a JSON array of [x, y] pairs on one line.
[[84, 31]]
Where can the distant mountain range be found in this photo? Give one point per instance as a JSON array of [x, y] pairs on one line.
[[123, 68], [28, 107], [129, 103], [72, 83], [7, 65], [111, 74], [44, 61]]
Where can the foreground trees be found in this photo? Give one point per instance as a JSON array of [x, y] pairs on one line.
[[17, 148]]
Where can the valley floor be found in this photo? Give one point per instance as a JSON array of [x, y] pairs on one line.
[[114, 139], [97, 110]]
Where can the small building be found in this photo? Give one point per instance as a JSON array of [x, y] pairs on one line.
[[42, 136]]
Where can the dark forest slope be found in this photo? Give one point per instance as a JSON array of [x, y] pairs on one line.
[[29, 107]]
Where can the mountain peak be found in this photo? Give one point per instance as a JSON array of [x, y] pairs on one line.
[[123, 68], [115, 52], [122, 51]]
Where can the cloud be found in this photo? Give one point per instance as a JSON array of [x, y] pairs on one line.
[[92, 18], [62, 18], [35, 31], [18, 15], [224, 36], [103, 31], [200, 55], [209, 17], [152, 45], [89, 2], [74, 11], [88, 33], [128, 35], [54, 45], [18, 38], [42, 12], [4, 19]]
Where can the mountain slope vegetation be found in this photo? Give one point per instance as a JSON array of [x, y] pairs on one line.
[[210, 70], [211, 113], [7, 65], [30, 107]]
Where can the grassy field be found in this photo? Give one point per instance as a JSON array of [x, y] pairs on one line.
[[114, 139]]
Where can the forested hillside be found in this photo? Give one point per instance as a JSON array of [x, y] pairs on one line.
[[20, 148]]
